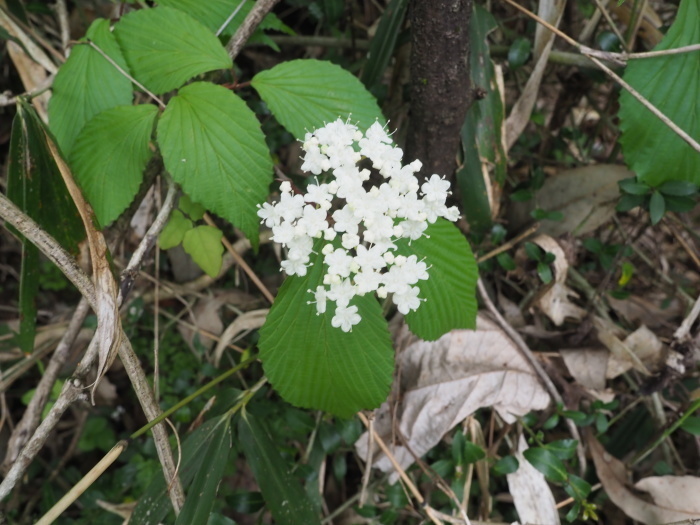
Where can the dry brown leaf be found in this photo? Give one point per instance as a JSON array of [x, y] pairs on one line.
[[585, 196], [555, 302], [522, 109], [109, 331], [444, 381], [613, 476], [645, 310], [640, 350], [678, 493], [532, 496], [587, 366], [248, 321]]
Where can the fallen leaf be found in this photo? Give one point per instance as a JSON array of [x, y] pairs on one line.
[[444, 381], [587, 366], [677, 493], [243, 323], [586, 197], [613, 476], [640, 350], [555, 302], [532, 496]]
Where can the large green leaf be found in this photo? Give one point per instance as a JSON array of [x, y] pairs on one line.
[[214, 13], [306, 94], [384, 41], [206, 481], [109, 157], [86, 85], [154, 503], [165, 47], [314, 365], [654, 152], [482, 145], [285, 498], [450, 292], [213, 146]]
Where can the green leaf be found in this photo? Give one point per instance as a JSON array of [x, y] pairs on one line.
[[450, 292], [563, 448], [86, 85], [206, 481], [154, 504], [505, 465], [654, 152], [633, 187], [174, 231], [629, 202], [657, 207], [164, 47], [577, 488], [547, 463], [203, 243], [545, 272], [285, 497], [482, 131], [678, 188], [213, 13], [315, 365], [213, 147], [679, 204], [190, 208], [692, 425], [382, 46], [519, 52], [473, 453], [109, 156], [304, 95], [35, 185]]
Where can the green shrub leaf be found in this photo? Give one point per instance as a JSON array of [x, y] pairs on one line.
[[657, 207], [547, 463], [654, 152], [86, 85], [206, 481], [315, 365], [306, 94], [450, 292], [285, 497], [174, 231], [165, 47], [109, 157], [203, 244], [213, 147]]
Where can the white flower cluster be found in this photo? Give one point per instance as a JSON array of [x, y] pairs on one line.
[[369, 223]]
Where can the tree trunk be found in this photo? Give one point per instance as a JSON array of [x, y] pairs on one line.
[[440, 84]]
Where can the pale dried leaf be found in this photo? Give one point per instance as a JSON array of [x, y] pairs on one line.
[[640, 350], [34, 78], [678, 493], [243, 323], [444, 381], [644, 310], [613, 476], [585, 196], [555, 302], [587, 366], [549, 11], [532, 496]]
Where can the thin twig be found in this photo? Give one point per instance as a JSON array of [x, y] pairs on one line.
[[246, 29], [32, 415], [125, 73], [64, 25], [230, 17], [535, 364], [402, 474], [241, 262]]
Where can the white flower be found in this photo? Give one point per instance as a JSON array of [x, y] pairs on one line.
[[345, 318], [369, 220]]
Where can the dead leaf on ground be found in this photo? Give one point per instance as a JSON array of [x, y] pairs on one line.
[[587, 366], [644, 310], [444, 381], [532, 496], [669, 504], [640, 350], [243, 323], [555, 302], [585, 196]]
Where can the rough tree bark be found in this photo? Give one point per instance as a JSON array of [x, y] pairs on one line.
[[440, 84]]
